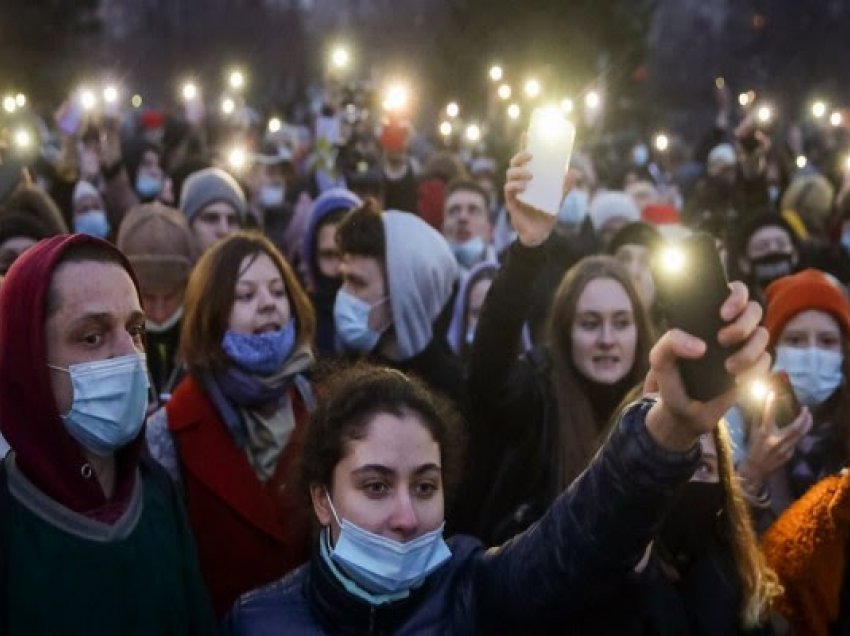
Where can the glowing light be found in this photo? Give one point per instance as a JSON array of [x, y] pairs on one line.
[[662, 142], [23, 138], [847, 164], [110, 94], [136, 101], [673, 259], [496, 73], [567, 106], [836, 118], [452, 109], [504, 91], [228, 106], [446, 128], [88, 99], [275, 125], [397, 98], [802, 162], [514, 111], [9, 104], [532, 88], [759, 390], [744, 99], [719, 82], [237, 158], [20, 100], [340, 57], [818, 109], [190, 91], [592, 100], [764, 114], [473, 133], [236, 79]]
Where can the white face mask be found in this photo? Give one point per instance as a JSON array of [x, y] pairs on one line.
[[271, 196], [815, 373]]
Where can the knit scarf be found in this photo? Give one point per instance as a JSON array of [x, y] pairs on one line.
[[257, 410]]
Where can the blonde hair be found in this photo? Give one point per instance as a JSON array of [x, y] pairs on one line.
[[759, 583]]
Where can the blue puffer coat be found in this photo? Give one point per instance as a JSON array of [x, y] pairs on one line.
[[582, 548]]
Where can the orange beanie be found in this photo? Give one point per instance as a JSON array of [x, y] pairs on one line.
[[810, 289]]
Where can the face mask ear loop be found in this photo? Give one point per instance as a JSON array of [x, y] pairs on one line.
[[55, 368], [333, 510]]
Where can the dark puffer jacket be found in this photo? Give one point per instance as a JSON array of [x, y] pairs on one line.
[[585, 546]]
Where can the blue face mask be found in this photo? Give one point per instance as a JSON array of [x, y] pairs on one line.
[[845, 242], [110, 397], [574, 207], [640, 155], [263, 353], [271, 196], [351, 316], [92, 222], [384, 566], [469, 252], [148, 187], [470, 335]]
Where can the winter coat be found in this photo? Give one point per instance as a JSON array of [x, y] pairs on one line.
[[586, 544]]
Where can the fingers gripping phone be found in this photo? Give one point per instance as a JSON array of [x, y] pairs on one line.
[[691, 287]]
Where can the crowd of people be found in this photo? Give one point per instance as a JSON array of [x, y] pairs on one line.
[[351, 383]]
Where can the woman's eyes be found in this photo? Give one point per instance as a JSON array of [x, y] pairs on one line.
[[376, 488], [426, 489]]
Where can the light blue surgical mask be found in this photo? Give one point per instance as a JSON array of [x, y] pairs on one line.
[[574, 207], [815, 373], [260, 353], [351, 316], [640, 155], [110, 397], [469, 252], [93, 223], [271, 196], [384, 566], [148, 187]]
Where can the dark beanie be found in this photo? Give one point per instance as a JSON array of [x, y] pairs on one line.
[[637, 233]]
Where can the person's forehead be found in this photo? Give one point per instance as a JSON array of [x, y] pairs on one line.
[[399, 443], [465, 197], [366, 267], [219, 207], [257, 266], [89, 287], [634, 250], [769, 233], [813, 320], [603, 294]]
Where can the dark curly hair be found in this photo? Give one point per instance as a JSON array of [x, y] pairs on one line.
[[352, 397]]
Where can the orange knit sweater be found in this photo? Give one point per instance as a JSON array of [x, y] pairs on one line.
[[807, 548]]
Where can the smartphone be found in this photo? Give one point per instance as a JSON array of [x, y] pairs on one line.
[[691, 287], [71, 118], [550, 141], [786, 407]]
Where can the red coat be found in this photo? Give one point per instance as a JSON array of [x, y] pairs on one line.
[[248, 533]]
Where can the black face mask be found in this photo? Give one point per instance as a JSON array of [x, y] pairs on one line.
[[769, 267], [693, 525]]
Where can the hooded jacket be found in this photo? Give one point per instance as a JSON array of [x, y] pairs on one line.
[[29, 420]]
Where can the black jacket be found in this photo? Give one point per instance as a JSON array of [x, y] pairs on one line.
[[588, 543], [513, 411]]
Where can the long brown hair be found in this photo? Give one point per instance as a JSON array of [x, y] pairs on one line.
[[579, 434], [211, 291], [759, 584]]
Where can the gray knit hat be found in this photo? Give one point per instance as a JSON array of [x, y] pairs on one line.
[[208, 186]]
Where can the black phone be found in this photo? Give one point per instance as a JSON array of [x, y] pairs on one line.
[[691, 287], [786, 407]]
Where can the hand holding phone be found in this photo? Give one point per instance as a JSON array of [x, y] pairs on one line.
[[692, 287]]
